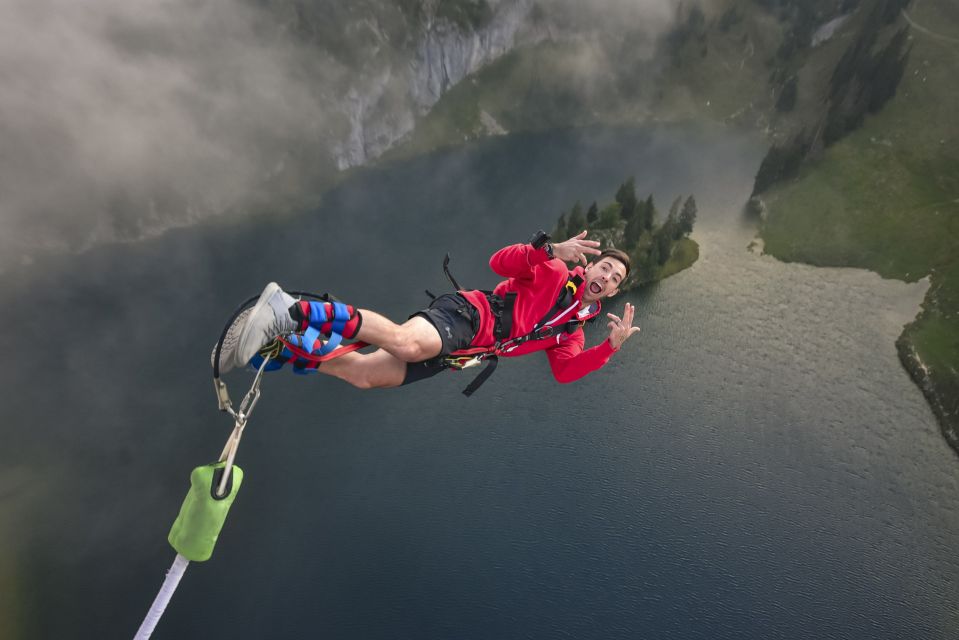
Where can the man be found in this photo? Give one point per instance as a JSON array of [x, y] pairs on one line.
[[540, 307]]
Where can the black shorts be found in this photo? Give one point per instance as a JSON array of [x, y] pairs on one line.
[[456, 321]]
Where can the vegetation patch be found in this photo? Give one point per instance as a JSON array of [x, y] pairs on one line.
[[886, 198], [862, 115], [656, 249]]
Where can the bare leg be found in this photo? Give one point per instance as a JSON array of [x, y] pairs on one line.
[[374, 370], [413, 341]]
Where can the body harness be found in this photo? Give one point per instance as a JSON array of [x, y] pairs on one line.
[[502, 309], [307, 351]]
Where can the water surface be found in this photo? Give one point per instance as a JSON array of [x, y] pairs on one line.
[[754, 464]]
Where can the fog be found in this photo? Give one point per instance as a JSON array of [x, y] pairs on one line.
[[123, 118]]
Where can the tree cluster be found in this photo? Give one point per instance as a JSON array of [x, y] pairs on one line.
[[781, 163], [632, 225], [800, 20], [863, 81]]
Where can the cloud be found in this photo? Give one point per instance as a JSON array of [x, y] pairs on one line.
[[123, 117], [612, 16]]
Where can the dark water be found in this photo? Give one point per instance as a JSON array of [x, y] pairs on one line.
[[755, 464]]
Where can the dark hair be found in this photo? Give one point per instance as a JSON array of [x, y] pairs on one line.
[[616, 254]]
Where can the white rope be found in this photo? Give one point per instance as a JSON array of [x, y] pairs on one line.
[[163, 598], [176, 571]]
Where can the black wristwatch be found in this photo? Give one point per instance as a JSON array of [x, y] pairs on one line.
[[540, 240]]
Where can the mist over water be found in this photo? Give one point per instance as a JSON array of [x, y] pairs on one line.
[[756, 463], [122, 119]]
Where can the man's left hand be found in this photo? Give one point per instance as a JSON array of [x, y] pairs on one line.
[[620, 329]]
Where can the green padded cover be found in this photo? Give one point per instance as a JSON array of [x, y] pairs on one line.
[[196, 529]]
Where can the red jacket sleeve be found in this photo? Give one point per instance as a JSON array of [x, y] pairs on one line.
[[517, 260], [570, 362]]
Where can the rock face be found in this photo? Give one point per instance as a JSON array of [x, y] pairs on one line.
[[382, 106]]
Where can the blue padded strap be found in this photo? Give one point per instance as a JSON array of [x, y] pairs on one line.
[[341, 315], [309, 338], [332, 343], [317, 313]]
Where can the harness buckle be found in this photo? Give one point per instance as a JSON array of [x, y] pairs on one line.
[[545, 332], [272, 350], [464, 362]]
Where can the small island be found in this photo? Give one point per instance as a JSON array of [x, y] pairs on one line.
[[658, 250]]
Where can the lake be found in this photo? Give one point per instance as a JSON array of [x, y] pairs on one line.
[[754, 464]]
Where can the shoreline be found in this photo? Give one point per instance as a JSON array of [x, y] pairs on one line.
[[932, 388], [937, 387]]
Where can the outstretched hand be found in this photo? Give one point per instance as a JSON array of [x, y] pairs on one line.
[[620, 329], [575, 249]]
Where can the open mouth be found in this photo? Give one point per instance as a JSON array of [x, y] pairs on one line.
[[595, 288]]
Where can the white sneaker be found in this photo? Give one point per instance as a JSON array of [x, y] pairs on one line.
[[252, 331]]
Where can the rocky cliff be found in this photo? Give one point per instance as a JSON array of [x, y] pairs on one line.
[[381, 104]]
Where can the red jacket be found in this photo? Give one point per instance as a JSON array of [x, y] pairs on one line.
[[538, 281]]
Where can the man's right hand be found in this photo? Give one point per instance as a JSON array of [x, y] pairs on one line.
[[575, 249]]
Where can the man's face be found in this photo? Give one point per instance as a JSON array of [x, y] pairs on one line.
[[603, 279]]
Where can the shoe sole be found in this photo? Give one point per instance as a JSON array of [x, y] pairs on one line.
[[262, 301], [230, 342]]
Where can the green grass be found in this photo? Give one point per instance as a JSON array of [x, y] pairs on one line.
[[685, 253], [864, 205], [728, 84], [577, 83], [886, 198], [535, 88]]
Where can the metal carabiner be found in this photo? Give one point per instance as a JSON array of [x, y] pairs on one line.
[[246, 409]]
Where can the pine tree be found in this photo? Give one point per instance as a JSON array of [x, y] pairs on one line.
[[663, 242], [642, 267], [577, 214], [626, 197], [670, 229], [770, 170], [609, 216], [887, 69], [782, 163], [650, 213], [674, 210], [577, 222], [634, 229], [559, 233], [592, 215]]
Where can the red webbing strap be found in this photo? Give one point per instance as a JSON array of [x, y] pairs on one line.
[[336, 353]]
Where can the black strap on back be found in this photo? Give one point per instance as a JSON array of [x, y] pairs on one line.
[[482, 376], [502, 309], [566, 298], [446, 270], [504, 321]]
